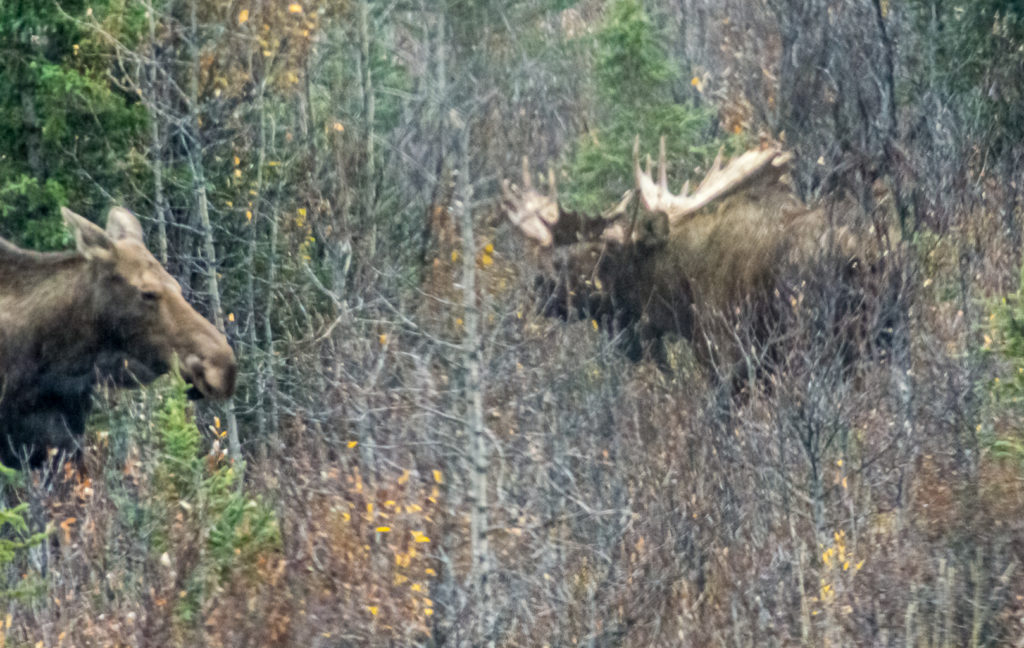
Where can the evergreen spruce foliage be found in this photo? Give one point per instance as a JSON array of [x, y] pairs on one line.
[[208, 520], [637, 86], [15, 541], [65, 133]]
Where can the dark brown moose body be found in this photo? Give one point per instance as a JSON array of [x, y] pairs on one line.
[[724, 267], [107, 312]]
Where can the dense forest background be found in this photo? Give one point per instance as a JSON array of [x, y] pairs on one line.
[[415, 457]]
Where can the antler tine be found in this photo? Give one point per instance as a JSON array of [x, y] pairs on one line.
[[552, 185], [715, 172], [662, 166], [527, 181], [721, 180]]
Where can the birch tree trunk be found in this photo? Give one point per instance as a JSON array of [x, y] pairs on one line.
[[474, 394]]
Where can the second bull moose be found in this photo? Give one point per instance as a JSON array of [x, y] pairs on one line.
[[727, 266], [106, 312]]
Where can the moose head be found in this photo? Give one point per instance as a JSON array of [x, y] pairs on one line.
[[139, 309], [107, 312]]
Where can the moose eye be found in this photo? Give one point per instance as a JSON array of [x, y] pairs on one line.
[[150, 296]]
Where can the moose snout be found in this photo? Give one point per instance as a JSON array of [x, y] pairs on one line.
[[214, 375]]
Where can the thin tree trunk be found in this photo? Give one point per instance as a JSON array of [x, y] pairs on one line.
[[195, 154], [33, 139], [474, 403], [253, 224], [156, 146], [369, 115], [269, 368], [368, 222]]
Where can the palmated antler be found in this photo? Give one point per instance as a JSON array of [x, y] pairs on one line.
[[543, 220], [532, 212], [741, 172]]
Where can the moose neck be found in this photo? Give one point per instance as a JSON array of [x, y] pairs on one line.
[[47, 313]]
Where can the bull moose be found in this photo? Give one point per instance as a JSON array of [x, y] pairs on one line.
[[108, 312], [723, 266]]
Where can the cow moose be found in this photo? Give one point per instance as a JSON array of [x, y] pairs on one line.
[[107, 312], [723, 266]]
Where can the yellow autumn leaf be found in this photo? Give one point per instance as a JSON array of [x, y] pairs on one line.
[[404, 478], [486, 260], [428, 612], [338, 126], [382, 338], [383, 529], [438, 477], [243, 17], [489, 248], [353, 444], [248, 215], [455, 256], [231, 317], [295, 8], [372, 609]]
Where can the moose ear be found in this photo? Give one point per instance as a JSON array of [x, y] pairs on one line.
[[122, 224], [92, 242]]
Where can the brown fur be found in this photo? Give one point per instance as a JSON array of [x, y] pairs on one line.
[[107, 311], [744, 261]]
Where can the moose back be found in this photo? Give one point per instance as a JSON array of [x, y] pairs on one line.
[[107, 311]]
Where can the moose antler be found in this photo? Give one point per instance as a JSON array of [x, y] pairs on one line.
[[718, 183], [543, 220], [532, 212]]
